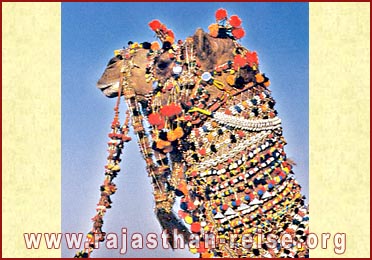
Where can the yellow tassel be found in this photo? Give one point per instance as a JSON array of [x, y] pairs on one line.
[[203, 111], [219, 84]]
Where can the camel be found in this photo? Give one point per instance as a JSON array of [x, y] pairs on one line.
[[214, 140]]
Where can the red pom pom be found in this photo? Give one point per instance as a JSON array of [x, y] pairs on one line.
[[170, 110], [155, 25], [195, 227], [252, 58], [235, 21], [238, 33], [163, 28], [221, 14], [239, 61], [155, 119], [170, 33]]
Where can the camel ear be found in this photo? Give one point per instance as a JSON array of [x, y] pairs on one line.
[[202, 44]]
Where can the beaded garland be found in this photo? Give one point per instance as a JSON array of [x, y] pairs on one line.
[[223, 155]]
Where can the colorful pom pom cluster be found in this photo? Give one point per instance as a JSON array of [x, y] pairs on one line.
[[225, 26], [222, 156], [165, 34]]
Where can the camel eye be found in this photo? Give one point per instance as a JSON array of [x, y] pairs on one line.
[[112, 61], [163, 65]]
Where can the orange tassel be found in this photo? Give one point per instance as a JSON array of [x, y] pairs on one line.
[[175, 134], [155, 46], [161, 144], [267, 83], [259, 78]]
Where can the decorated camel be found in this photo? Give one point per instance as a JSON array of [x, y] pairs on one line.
[[209, 133]]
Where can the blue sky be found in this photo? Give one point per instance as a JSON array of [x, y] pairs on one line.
[[90, 34]]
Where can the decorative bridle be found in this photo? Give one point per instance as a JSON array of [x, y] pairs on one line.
[[188, 113]]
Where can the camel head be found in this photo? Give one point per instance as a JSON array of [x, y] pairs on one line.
[[209, 52]]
